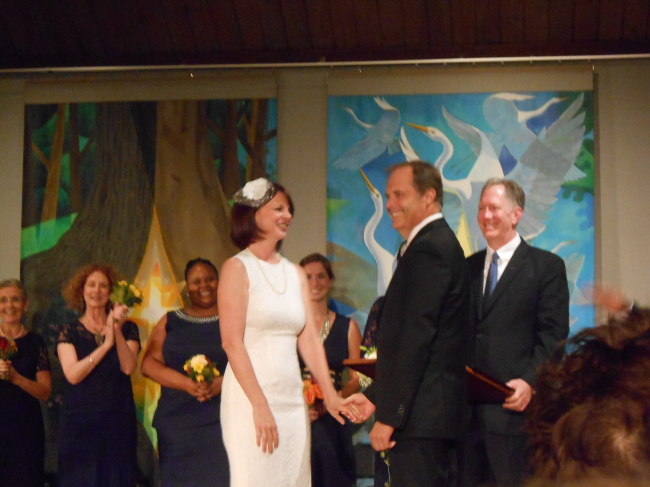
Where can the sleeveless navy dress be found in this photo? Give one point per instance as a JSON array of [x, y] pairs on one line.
[[190, 443], [332, 452]]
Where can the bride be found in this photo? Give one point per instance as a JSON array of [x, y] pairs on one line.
[[265, 318]]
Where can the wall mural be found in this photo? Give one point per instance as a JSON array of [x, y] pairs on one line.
[[143, 186], [543, 140]]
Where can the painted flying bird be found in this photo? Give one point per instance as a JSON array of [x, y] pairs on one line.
[[381, 137]]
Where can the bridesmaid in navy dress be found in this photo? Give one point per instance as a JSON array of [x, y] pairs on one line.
[[27, 380], [332, 452], [98, 353], [187, 420]]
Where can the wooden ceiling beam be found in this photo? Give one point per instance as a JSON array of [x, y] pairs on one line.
[[586, 20], [635, 20], [512, 22], [200, 21], [224, 20], [134, 29], [344, 24], [274, 29], [560, 21], [463, 22], [610, 20], [324, 56], [487, 22], [319, 21], [391, 24], [250, 24], [440, 25], [367, 19], [155, 26], [414, 22], [178, 23], [83, 24], [536, 21]]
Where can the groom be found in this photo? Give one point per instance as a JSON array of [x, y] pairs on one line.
[[419, 393]]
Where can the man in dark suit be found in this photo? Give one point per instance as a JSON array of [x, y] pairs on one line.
[[419, 392], [519, 314]]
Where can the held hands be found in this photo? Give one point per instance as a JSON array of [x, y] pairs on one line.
[[358, 408], [521, 397]]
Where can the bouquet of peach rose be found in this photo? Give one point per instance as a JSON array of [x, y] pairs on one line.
[[313, 394], [8, 348]]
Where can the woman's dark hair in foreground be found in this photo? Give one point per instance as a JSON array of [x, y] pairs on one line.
[[590, 415], [243, 229]]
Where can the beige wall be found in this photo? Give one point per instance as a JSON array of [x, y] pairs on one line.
[[623, 108]]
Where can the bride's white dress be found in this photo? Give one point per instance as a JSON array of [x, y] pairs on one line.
[[273, 322]]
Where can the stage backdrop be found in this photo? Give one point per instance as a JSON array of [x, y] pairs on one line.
[[143, 186], [543, 140]]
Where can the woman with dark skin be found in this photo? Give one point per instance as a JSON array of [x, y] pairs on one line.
[[187, 420], [98, 353], [28, 381]]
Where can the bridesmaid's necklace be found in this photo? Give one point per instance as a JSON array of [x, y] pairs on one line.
[[268, 281], [18, 335], [325, 330]]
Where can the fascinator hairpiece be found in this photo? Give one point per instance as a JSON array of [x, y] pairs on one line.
[[255, 193]]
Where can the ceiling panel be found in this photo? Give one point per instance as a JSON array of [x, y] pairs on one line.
[[82, 33]]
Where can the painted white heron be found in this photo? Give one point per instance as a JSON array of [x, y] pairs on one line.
[[381, 137]]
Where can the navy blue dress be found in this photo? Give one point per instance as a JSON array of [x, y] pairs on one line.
[[190, 444], [332, 452], [97, 424], [21, 421]]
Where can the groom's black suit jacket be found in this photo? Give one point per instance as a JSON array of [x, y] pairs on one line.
[[526, 317], [420, 386]]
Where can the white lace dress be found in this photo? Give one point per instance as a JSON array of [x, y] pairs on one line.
[[273, 322]]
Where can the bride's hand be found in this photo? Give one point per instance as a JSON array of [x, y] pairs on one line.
[[266, 432], [333, 405]]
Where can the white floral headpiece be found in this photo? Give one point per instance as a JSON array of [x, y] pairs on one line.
[[255, 193]]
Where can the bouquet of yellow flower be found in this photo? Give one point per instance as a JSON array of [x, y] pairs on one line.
[[126, 293], [8, 348], [201, 369]]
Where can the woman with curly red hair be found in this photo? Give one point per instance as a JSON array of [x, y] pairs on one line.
[[98, 353]]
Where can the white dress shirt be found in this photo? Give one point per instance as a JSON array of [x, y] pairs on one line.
[[505, 254]]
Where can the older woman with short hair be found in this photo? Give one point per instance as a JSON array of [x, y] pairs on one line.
[[27, 380], [98, 353]]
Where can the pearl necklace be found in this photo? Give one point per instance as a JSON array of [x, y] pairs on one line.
[[266, 278], [325, 330], [22, 329]]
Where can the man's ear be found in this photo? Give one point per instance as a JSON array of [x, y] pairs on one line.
[[516, 215], [430, 194]]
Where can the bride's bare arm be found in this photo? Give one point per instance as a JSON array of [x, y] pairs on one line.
[[313, 353], [233, 302]]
